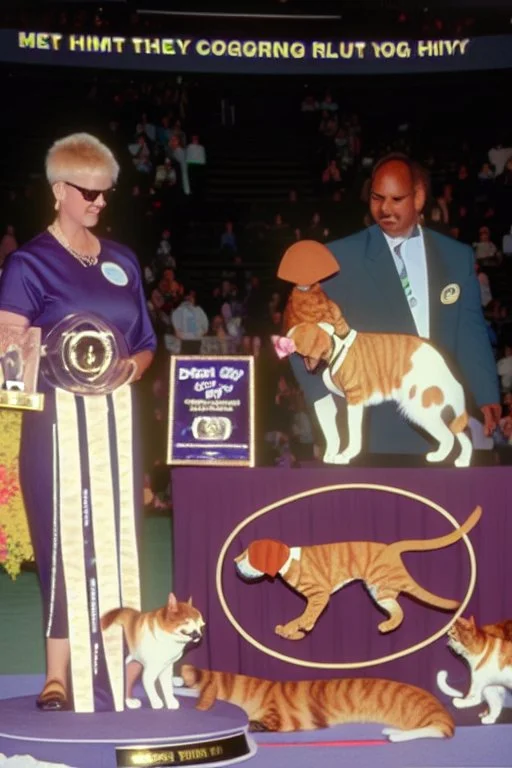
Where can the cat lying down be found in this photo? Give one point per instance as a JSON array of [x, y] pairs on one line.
[[407, 711]]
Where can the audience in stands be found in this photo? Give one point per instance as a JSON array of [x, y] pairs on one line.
[[190, 323], [228, 239], [168, 209]]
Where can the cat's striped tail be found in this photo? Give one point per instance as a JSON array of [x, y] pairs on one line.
[[422, 545], [116, 616]]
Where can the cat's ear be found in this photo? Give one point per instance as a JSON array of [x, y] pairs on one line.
[[472, 622], [172, 603], [189, 602]]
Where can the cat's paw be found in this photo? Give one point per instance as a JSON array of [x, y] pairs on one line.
[[256, 726], [440, 455], [157, 704], [289, 632], [389, 625], [133, 703], [343, 458], [462, 461], [330, 457], [393, 734], [173, 703], [488, 719]]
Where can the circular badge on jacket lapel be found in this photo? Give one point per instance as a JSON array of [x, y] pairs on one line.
[[450, 293], [114, 273]]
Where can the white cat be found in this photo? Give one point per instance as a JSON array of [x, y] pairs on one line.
[[489, 657], [157, 640], [496, 696]]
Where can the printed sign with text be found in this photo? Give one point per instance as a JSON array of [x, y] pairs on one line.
[[211, 411]]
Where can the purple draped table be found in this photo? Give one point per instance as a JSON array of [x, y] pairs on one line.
[[210, 503]]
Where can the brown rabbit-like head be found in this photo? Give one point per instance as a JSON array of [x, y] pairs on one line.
[[264, 557]]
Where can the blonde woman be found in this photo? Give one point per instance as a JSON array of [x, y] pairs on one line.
[[79, 484]]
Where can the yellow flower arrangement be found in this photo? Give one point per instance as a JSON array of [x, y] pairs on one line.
[[15, 544]]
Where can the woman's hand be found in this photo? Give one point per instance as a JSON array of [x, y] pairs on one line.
[[141, 362]]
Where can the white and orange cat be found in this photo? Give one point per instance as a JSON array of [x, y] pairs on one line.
[[488, 652], [369, 369], [408, 712], [157, 640], [317, 572]]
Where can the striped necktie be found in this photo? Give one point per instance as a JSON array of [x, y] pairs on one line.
[[404, 277]]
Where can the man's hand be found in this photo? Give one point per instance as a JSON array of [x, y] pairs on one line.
[[492, 415]]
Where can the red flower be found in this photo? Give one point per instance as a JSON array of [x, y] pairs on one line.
[[8, 484], [3, 546]]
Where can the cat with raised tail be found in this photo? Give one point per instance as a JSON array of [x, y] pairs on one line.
[[317, 572], [157, 640], [488, 652], [372, 368]]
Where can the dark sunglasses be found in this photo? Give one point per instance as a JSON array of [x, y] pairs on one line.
[[90, 195]]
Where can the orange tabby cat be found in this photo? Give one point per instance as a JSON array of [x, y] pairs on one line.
[[157, 639], [312, 305], [501, 629], [488, 652], [317, 572], [372, 368], [306, 705], [365, 368]]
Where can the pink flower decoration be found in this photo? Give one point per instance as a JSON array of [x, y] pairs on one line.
[[8, 484], [283, 346], [3, 546]]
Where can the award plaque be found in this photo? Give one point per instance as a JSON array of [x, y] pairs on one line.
[[85, 355], [211, 411], [20, 350]]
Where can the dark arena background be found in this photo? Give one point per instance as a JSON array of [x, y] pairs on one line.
[[241, 129]]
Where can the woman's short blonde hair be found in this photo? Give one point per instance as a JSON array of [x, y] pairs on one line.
[[79, 154]]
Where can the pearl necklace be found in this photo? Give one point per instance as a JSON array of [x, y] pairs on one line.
[[85, 259]]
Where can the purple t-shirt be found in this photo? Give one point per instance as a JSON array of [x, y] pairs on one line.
[[45, 284]]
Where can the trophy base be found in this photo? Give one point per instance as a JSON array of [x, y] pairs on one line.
[[26, 401], [142, 738]]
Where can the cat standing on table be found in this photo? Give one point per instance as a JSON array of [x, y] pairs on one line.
[[397, 277], [367, 369]]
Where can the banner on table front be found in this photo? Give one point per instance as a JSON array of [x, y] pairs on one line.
[[211, 411]]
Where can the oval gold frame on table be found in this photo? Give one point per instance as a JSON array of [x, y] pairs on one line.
[[354, 664]]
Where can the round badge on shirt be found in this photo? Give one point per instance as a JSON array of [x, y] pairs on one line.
[[450, 294], [114, 273]]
